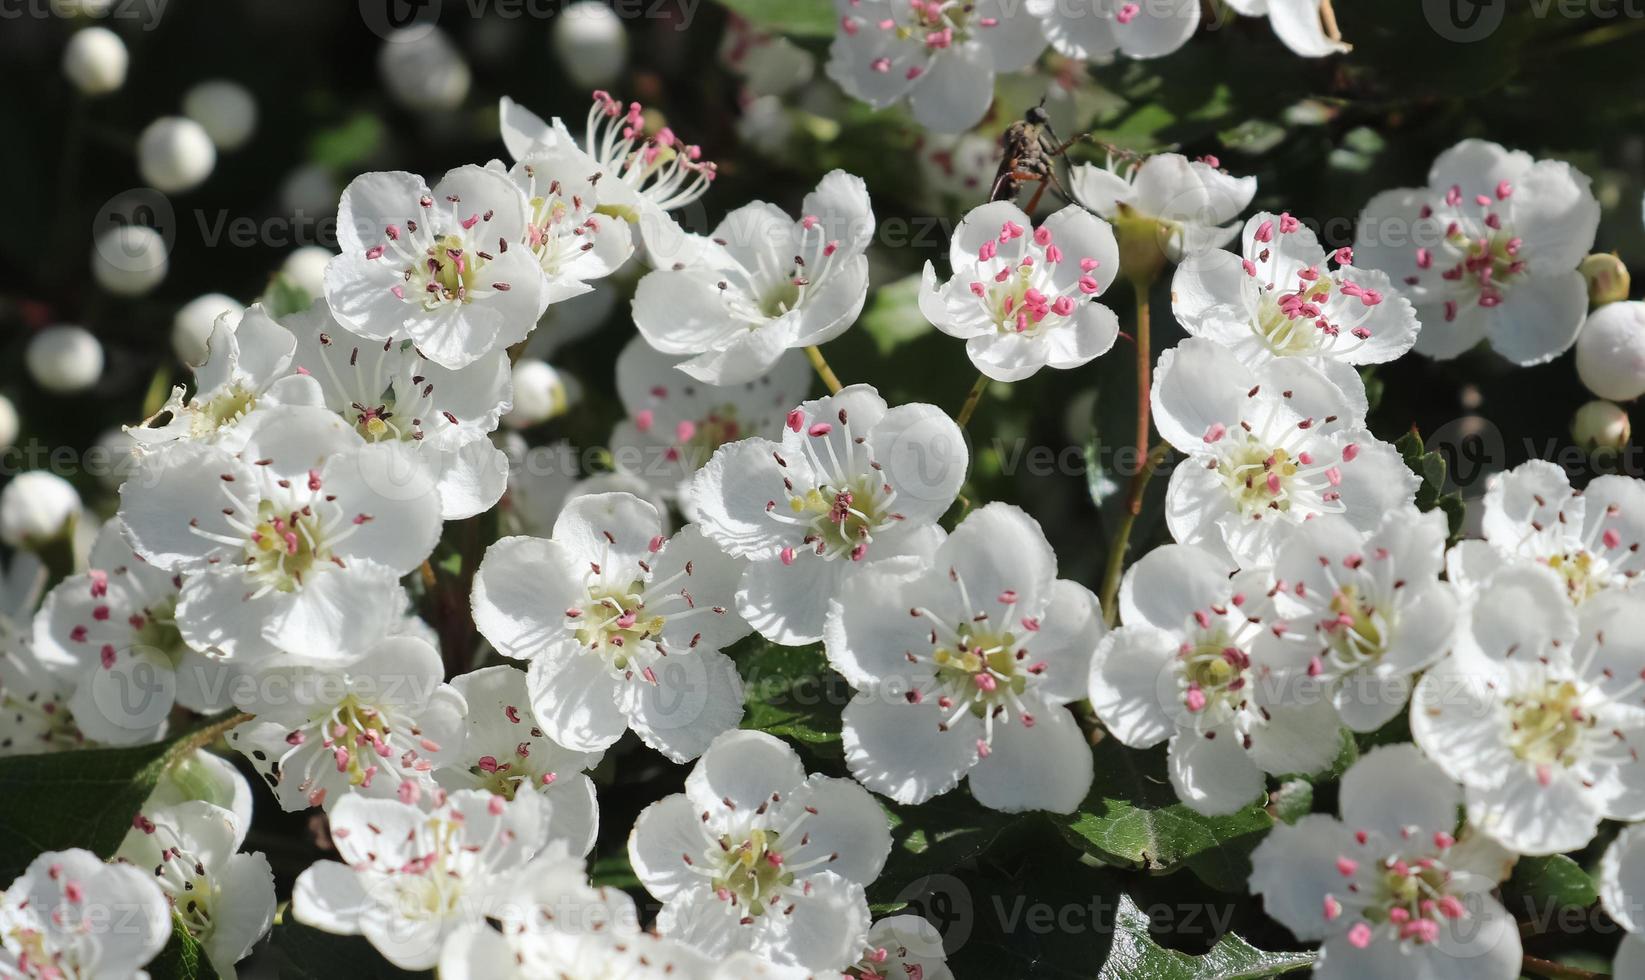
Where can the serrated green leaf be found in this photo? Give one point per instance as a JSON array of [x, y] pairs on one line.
[[1132, 818], [310, 954], [1134, 955], [183, 958], [1549, 883], [791, 692], [800, 18], [892, 316]]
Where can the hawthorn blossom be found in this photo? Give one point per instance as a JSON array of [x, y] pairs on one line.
[[899, 947], [294, 543], [941, 57], [380, 726], [224, 899], [114, 629], [1590, 538], [1538, 712], [1390, 888], [505, 752], [1282, 299], [1621, 882], [757, 857], [1268, 448], [963, 666], [1023, 297], [1190, 664], [1183, 205], [572, 240], [623, 627], [34, 711], [451, 268], [57, 919], [411, 877], [764, 283], [1307, 27], [675, 423], [1488, 251], [389, 392], [1364, 611], [1095, 29], [851, 483]]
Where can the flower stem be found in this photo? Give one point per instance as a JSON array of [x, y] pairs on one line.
[[1558, 971], [1145, 361], [972, 397], [1122, 539], [823, 370]]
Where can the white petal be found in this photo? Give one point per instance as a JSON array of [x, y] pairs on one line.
[[897, 749], [1214, 776], [1044, 767]]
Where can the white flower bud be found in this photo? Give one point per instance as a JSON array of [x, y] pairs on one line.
[[36, 507], [422, 69], [225, 109], [311, 190], [9, 426], [590, 42], [1610, 351], [540, 393], [191, 327], [306, 268], [129, 260], [175, 154], [95, 60], [1607, 276], [1601, 426], [64, 359]]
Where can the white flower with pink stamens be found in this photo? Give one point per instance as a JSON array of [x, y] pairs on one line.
[[34, 694], [1487, 251], [755, 856], [1591, 538], [964, 667], [1621, 882], [411, 875], [1540, 711], [1190, 204], [1190, 664], [56, 919], [380, 726], [573, 240], [623, 626], [1363, 611], [675, 423], [1301, 24], [506, 752], [763, 284], [940, 55], [1268, 448], [851, 483], [1389, 888], [1282, 298], [902, 947], [451, 268], [1021, 297], [1094, 29]]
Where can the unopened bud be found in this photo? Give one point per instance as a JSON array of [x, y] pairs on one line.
[[37, 508], [1610, 351], [540, 393], [1601, 426], [1607, 278]]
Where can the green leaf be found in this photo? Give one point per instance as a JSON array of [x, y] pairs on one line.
[[936, 836], [892, 316], [614, 871], [183, 957], [791, 692], [1546, 884], [310, 954], [800, 18], [284, 296], [1135, 955], [349, 144], [1132, 818], [1293, 800]]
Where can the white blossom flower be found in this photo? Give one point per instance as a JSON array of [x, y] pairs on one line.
[[675, 423], [1301, 24], [941, 57], [113, 628], [1591, 538], [451, 267], [1021, 297], [1190, 665], [1363, 612], [763, 284], [1538, 712], [388, 391], [34, 711], [380, 726], [296, 543], [573, 241], [1389, 888], [58, 919], [504, 751], [902, 947], [1488, 250], [224, 899], [1282, 299], [1096, 29], [1267, 449], [757, 857], [768, 64], [851, 483], [623, 627], [411, 877], [963, 667], [1621, 882], [1185, 205], [208, 777]]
